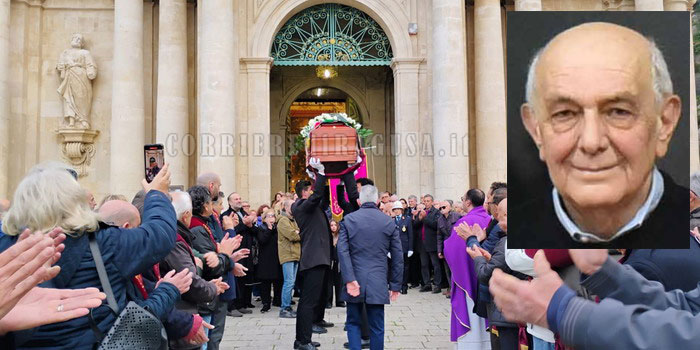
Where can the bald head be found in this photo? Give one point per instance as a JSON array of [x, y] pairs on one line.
[[212, 182], [599, 45], [120, 213]]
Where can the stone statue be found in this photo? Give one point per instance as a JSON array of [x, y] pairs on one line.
[[76, 68]]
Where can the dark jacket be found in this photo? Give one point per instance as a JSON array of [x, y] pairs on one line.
[[204, 243], [351, 204], [428, 232], [365, 238], [180, 258], [126, 253], [315, 231], [535, 225], [484, 269], [405, 225], [250, 242], [445, 228], [674, 268], [695, 218], [268, 259], [494, 235]]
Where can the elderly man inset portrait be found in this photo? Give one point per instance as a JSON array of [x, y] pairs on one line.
[[601, 110]]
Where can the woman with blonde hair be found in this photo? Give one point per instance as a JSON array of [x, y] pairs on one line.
[[49, 197]]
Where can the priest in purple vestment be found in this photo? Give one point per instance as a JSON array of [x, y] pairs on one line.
[[466, 328]]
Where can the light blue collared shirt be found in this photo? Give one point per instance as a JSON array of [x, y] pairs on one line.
[[577, 234]]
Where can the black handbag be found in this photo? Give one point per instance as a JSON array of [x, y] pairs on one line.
[[135, 328]]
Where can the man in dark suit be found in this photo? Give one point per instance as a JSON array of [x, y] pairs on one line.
[[315, 261], [428, 217], [406, 234], [366, 237]]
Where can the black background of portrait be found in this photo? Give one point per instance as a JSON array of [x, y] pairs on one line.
[[529, 31]]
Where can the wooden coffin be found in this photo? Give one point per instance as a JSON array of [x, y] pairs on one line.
[[333, 142]]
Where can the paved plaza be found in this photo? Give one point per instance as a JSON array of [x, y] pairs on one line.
[[415, 321]]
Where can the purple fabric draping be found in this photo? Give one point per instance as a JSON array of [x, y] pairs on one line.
[[464, 284]]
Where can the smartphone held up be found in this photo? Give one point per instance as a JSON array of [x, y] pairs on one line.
[[154, 160]]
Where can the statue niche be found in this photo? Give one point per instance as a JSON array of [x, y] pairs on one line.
[[77, 69]]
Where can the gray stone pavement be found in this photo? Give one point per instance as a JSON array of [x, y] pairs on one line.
[[414, 321]]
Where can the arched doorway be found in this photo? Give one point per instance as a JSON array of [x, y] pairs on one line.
[[307, 105], [332, 58]]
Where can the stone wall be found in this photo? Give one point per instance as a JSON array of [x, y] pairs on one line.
[[40, 31]]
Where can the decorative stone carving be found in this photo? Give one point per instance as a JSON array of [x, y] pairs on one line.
[[76, 69], [78, 147], [618, 5]]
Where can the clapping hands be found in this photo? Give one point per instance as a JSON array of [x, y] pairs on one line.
[[476, 251], [181, 280], [465, 231]]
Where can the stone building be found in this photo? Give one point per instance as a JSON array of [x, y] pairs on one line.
[[225, 85]]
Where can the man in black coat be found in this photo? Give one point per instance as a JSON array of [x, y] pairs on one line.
[[365, 238], [315, 261], [245, 228], [428, 217], [406, 234]]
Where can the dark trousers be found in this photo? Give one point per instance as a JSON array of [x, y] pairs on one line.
[[375, 318], [334, 281], [244, 296], [218, 320], [448, 273], [507, 339], [427, 258], [406, 269], [312, 304], [414, 273], [265, 286]]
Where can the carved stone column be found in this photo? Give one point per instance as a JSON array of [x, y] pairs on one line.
[[490, 93], [217, 74], [4, 95], [127, 127], [407, 143], [172, 113], [449, 98], [258, 156]]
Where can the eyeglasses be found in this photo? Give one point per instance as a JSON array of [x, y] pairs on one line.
[[443, 207], [270, 216]]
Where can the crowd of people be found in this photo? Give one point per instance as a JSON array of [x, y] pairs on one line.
[[191, 263]]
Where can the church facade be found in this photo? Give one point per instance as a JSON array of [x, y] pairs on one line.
[[226, 85]]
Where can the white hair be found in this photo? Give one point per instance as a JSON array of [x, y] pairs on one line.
[[660, 77], [49, 197], [182, 202], [368, 194]]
